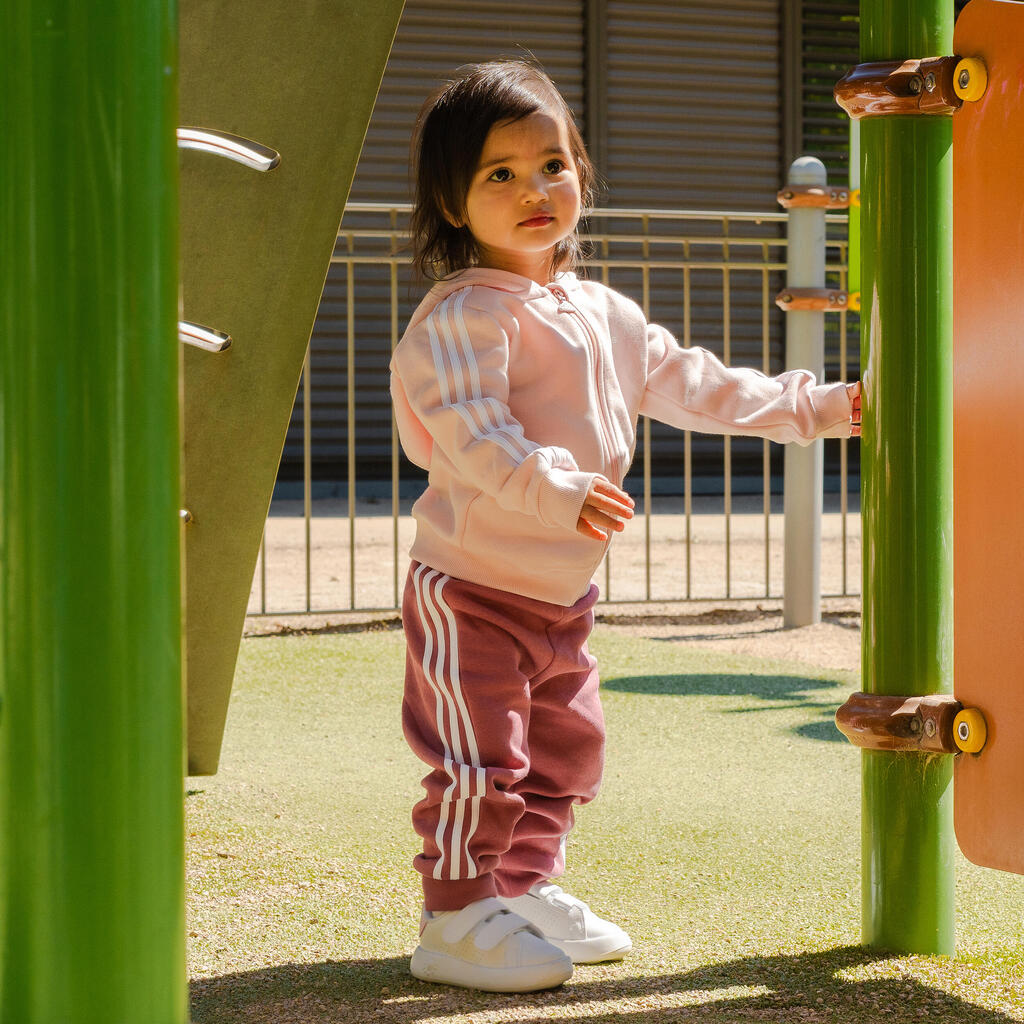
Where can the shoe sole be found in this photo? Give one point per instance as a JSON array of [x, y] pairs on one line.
[[449, 970], [592, 951]]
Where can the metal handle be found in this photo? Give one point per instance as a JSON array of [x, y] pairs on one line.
[[234, 147], [203, 337]]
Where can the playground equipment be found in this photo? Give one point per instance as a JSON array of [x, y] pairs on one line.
[[988, 438], [255, 252], [91, 700], [92, 920], [925, 125]]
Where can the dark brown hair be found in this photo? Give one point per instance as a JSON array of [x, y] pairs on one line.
[[449, 138]]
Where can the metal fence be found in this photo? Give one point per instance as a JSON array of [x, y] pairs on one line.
[[700, 533]]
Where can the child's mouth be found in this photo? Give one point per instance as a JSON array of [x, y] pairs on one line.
[[536, 222]]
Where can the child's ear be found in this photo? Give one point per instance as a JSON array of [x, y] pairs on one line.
[[455, 222]]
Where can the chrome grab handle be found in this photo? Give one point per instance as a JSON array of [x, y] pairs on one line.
[[203, 337], [234, 147]]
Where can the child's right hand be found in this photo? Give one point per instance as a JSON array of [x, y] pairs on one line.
[[853, 390], [606, 508]]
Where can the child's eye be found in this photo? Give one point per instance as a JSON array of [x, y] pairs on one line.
[[554, 167], [501, 174]]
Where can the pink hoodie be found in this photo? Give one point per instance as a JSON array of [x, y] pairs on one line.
[[515, 396]]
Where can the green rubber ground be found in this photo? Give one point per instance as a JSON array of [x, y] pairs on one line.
[[725, 840]]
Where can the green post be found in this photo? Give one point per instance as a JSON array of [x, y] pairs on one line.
[[91, 747], [906, 189]]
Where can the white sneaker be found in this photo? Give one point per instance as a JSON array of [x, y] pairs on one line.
[[571, 925], [486, 946]]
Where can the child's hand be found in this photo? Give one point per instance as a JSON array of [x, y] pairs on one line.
[[853, 390], [605, 509]]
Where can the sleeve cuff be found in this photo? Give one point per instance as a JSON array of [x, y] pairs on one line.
[[834, 409], [561, 497]]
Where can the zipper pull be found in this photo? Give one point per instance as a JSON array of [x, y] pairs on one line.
[[564, 305]]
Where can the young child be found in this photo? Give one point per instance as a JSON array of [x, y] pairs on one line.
[[518, 387]]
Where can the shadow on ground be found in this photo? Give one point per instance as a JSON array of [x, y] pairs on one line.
[[793, 689], [777, 692], [781, 988]]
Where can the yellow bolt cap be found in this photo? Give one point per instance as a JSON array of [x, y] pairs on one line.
[[970, 730], [970, 79]]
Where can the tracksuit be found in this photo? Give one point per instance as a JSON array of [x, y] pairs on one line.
[[515, 396]]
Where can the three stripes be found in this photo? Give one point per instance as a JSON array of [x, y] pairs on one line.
[[485, 417], [460, 804]]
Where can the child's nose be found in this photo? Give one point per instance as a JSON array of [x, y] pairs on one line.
[[535, 188]]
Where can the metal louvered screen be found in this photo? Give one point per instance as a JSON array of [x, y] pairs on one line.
[[434, 37], [693, 104]]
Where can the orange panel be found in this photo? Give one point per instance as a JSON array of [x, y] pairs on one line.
[[988, 422]]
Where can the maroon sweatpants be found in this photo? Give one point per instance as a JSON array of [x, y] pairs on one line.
[[501, 701]]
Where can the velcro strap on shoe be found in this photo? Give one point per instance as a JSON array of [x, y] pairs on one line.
[[558, 897], [498, 923], [463, 921], [500, 927]]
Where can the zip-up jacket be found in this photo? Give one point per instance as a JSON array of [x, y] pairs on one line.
[[514, 396]]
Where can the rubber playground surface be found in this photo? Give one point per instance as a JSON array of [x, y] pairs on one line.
[[726, 841]]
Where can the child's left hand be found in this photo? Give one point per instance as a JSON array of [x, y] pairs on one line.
[[604, 510], [853, 390]]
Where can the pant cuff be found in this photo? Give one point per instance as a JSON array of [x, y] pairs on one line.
[[515, 883], [439, 894]]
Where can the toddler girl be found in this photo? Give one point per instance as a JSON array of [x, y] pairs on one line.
[[518, 386]]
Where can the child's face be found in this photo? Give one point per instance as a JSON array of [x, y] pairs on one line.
[[524, 197]]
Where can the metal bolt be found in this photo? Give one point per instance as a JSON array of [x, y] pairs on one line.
[[929, 81], [965, 80], [914, 84], [963, 730], [787, 298], [929, 728], [915, 725]]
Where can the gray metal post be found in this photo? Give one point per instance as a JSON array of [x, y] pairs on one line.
[[805, 349]]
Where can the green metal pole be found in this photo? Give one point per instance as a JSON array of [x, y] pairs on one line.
[[906, 190], [91, 747]]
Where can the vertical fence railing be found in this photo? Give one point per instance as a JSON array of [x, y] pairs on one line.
[[743, 252]]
